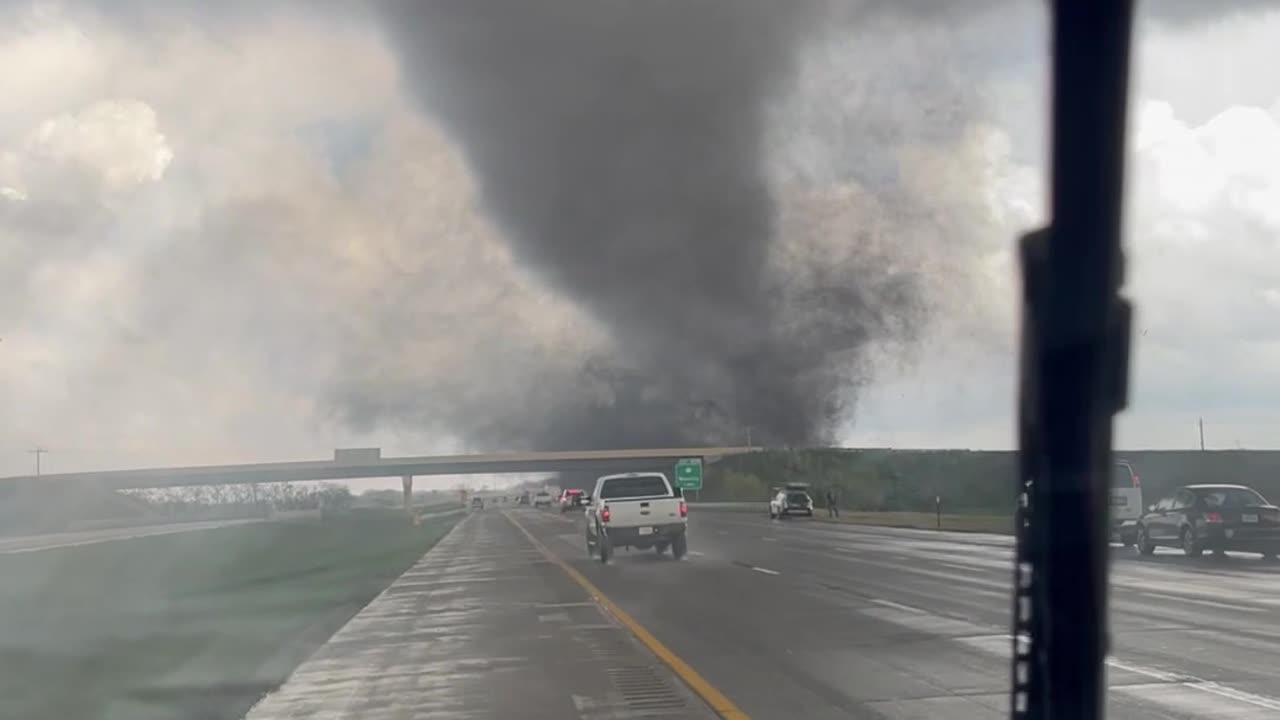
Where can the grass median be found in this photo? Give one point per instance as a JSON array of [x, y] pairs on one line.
[[190, 625]]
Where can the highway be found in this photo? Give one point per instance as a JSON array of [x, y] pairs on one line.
[[792, 619], [52, 541], [508, 617], [482, 626]]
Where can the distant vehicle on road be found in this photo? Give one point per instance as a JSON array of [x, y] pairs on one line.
[[1126, 502], [542, 498], [639, 510], [792, 499], [571, 499], [477, 503], [1211, 517]]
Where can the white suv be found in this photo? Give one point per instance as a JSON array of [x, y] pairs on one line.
[[791, 500]]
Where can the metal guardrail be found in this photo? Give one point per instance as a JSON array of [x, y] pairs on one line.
[[762, 506]]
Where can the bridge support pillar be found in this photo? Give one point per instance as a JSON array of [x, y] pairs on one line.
[[407, 483]]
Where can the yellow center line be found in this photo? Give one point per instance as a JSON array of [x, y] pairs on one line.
[[722, 705]]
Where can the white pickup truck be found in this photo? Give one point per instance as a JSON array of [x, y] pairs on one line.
[[638, 510]]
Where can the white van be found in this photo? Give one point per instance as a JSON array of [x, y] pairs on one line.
[[1126, 501]]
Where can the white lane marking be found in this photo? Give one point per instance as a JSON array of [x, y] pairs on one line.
[[892, 604], [766, 571], [1196, 683], [1000, 644], [1150, 672], [1206, 603], [696, 553], [769, 539]]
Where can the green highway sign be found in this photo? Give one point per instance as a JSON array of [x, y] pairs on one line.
[[689, 473]]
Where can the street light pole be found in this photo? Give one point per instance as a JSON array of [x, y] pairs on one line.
[[38, 452]]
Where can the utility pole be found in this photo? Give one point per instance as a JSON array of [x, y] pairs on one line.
[[748, 437], [38, 452], [1201, 434]]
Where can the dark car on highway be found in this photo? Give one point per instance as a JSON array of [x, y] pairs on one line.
[[1211, 517]]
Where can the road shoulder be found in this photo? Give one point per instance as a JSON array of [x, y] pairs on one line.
[[482, 626]]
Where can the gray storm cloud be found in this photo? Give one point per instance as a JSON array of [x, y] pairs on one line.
[[599, 224]]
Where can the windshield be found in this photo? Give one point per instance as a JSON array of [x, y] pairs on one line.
[[317, 319]]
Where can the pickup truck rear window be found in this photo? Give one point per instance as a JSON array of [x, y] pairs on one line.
[[643, 486]]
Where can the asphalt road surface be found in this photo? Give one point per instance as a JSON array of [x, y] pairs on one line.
[[483, 626], [508, 617], [791, 619], [50, 541]]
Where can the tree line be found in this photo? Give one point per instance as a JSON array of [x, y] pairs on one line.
[[966, 481], [243, 499]]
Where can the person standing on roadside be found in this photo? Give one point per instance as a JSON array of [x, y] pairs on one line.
[[833, 509]]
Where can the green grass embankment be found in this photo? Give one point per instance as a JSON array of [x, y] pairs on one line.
[[190, 625]]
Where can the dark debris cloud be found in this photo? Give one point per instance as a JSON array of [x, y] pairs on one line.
[[620, 147]]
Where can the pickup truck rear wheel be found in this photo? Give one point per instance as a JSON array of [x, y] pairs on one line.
[[679, 546], [605, 547]]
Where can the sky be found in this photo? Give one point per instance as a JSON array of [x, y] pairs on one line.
[[213, 234]]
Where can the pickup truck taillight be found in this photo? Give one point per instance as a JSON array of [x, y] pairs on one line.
[[604, 514], [684, 509]]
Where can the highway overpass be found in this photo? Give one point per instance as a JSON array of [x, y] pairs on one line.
[[368, 463]]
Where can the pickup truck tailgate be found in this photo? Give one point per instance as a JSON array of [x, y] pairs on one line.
[[634, 512]]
